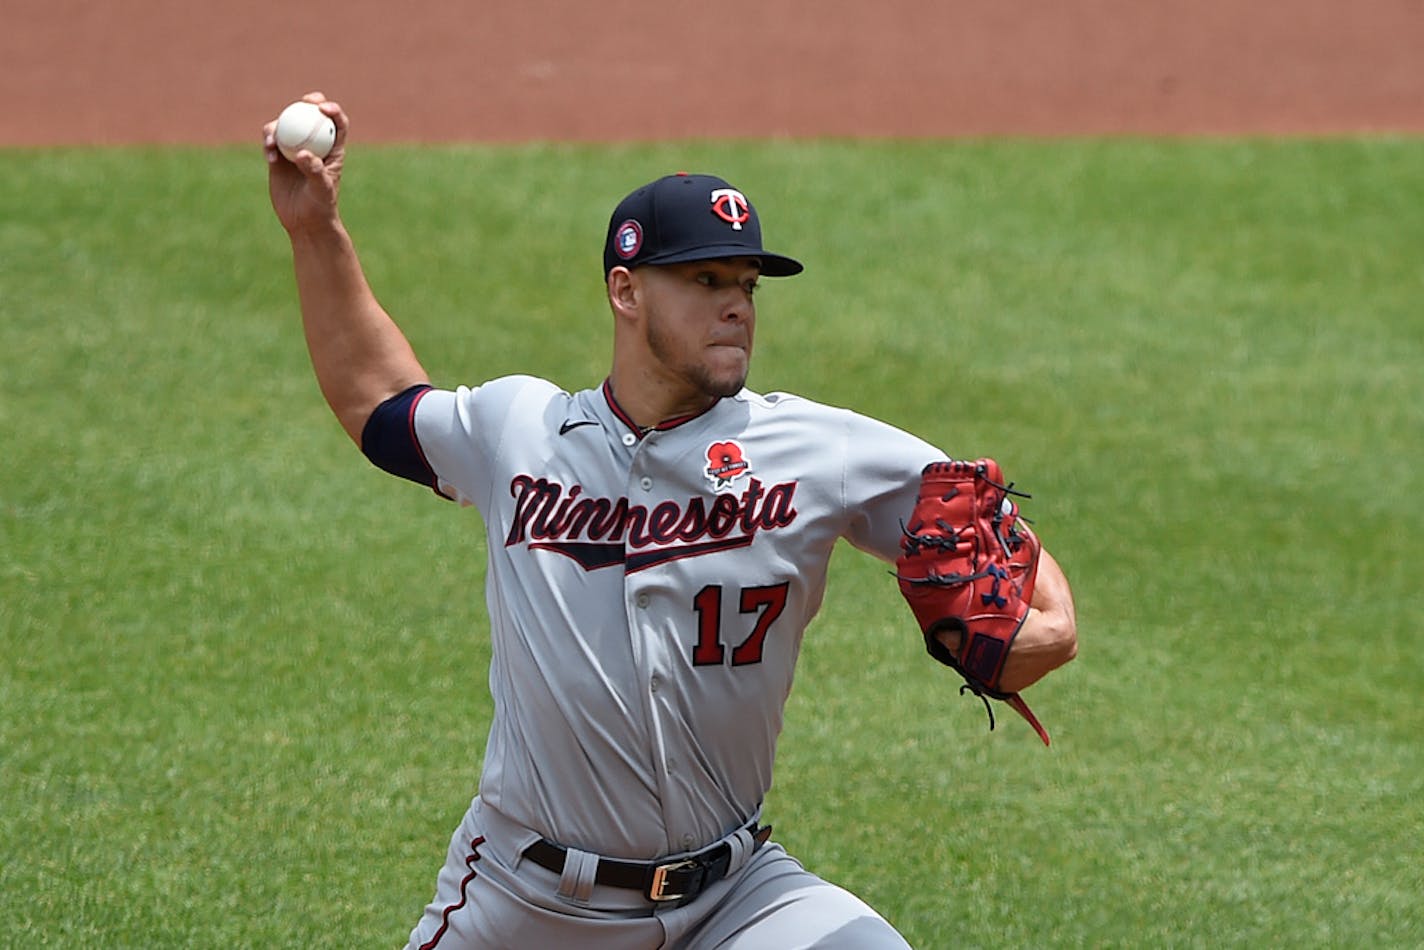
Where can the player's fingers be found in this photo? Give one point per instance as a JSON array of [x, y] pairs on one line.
[[322, 176], [339, 118], [311, 166], [269, 142]]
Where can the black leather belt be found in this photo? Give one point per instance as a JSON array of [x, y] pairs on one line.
[[680, 879]]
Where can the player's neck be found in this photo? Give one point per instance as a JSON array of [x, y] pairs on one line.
[[650, 401]]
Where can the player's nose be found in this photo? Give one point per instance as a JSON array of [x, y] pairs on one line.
[[738, 307]]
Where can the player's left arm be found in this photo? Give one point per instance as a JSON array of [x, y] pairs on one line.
[[1049, 636], [883, 496]]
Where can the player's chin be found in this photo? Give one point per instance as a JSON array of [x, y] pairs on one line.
[[728, 388], [727, 376]]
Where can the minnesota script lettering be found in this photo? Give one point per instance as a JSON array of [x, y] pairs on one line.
[[597, 531]]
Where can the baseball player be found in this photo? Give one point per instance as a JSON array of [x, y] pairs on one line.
[[657, 546]]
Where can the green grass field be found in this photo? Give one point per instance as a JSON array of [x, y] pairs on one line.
[[242, 673]]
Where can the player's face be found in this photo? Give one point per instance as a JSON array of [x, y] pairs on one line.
[[700, 320]]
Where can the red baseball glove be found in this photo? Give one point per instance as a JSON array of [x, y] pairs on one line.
[[967, 569]]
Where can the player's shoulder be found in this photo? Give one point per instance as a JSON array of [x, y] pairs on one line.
[[522, 383], [780, 404], [861, 434], [510, 390], [779, 401], [491, 405]]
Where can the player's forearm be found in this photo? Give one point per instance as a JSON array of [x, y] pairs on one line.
[[1047, 640], [359, 354], [1049, 635]]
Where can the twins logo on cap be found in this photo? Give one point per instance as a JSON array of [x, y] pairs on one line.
[[731, 206], [726, 462], [629, 239]]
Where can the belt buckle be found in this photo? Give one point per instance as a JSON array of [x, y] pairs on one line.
[[657, 891]]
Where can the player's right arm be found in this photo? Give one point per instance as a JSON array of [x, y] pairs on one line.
[[360, 356]]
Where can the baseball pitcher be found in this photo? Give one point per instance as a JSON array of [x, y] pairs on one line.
[[656, 547]]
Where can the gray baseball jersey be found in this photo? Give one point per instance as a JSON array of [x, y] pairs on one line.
[[648, 590]]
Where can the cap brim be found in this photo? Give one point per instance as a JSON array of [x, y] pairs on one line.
[[772, 265]]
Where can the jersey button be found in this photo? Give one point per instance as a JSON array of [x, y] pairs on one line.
[[647, 483], [629, 438], [641, 600], [687, 842], [655, 683]]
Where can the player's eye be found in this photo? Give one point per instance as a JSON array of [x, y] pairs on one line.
[[714, 281]]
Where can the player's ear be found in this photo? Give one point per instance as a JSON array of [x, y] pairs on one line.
[[622, 292]]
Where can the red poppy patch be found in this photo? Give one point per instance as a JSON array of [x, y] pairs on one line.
[[726, 462]]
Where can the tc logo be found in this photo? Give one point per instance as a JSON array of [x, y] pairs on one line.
[[731, 206]]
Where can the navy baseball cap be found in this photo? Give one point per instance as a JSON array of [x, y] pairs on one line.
[[686, 217]]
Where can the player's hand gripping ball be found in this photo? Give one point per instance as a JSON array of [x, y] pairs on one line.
[[302, 125]]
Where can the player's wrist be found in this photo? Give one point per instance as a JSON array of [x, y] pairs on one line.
[[318, 233], [951, 638]]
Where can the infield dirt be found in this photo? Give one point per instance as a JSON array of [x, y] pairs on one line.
[[78, 72]]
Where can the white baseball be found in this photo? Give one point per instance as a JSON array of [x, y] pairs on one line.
[[304, 126]]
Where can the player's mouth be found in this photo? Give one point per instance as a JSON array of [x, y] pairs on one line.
[[730, 354]]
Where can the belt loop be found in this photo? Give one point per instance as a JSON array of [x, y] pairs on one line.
[[576, 881], [742, 846]]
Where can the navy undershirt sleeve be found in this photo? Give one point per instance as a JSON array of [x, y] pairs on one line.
[[388, 438]]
